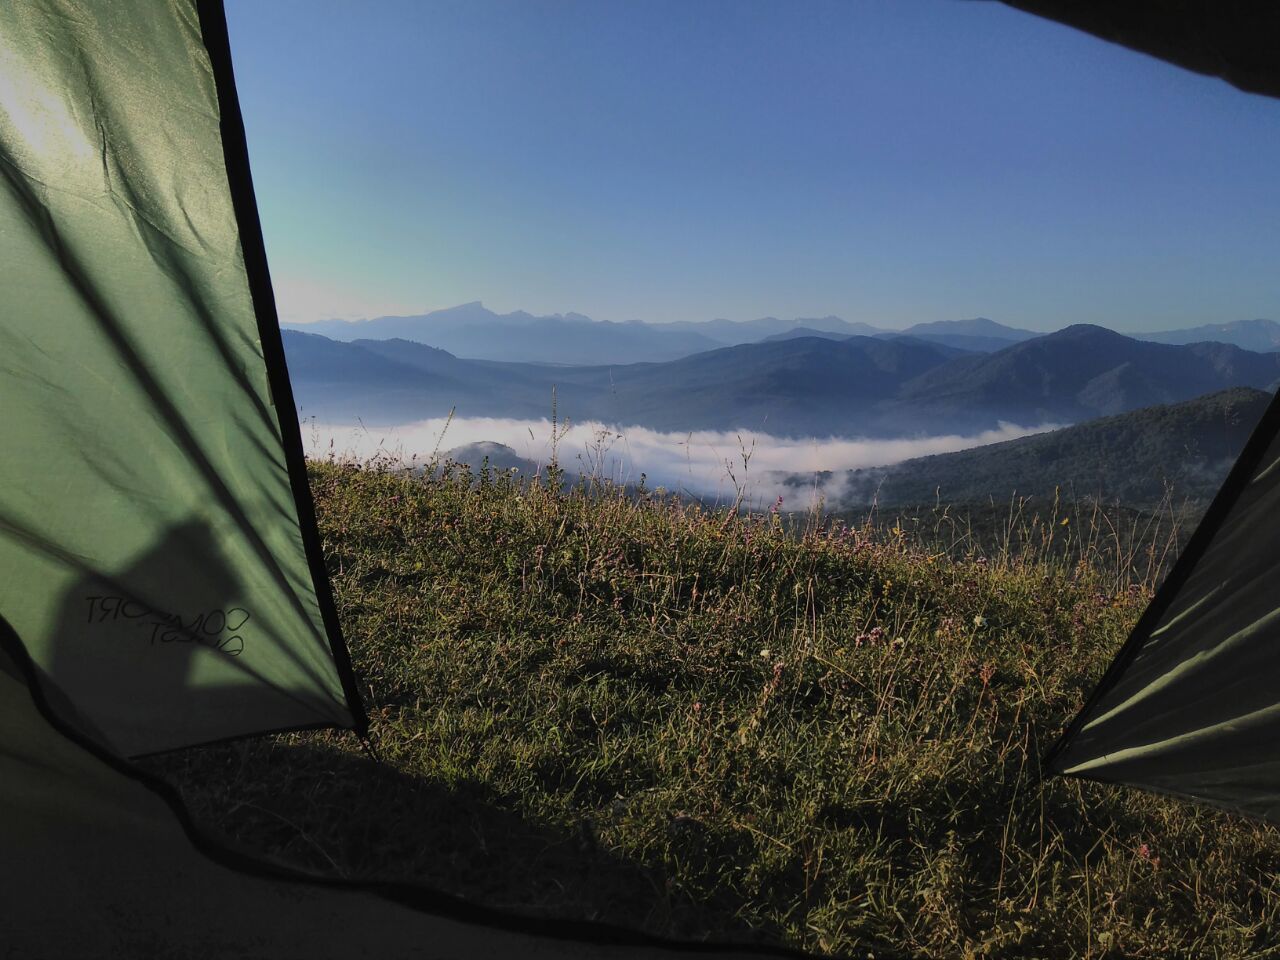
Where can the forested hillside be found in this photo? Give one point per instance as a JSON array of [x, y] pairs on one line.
[[1132, 458]]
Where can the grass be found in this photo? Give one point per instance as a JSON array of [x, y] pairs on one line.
[[1125, 544], [707, 725]]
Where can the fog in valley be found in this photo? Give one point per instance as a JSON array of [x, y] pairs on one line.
[[708, 464]]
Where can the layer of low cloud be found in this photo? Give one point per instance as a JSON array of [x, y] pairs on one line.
[[711, 464]]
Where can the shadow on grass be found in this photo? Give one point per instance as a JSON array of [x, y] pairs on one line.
[[320, 808]]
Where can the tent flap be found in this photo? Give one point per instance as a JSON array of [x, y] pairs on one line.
[[157, 550], [1191, 705]]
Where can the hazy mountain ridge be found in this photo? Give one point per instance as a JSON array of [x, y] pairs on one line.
[[473, 331], [1258, 335], [976, 327], [979, 334], [797, 332], [806, 386], [734, 332], [796, 387]]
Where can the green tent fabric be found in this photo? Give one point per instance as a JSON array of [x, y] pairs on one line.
[[157, 547], [161, 583], [1191, 705]]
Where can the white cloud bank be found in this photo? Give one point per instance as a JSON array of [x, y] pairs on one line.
[[708, 463]]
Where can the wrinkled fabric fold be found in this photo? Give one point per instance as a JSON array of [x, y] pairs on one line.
[[145, 490]]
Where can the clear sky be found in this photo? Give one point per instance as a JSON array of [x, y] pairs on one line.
[[890, 161]]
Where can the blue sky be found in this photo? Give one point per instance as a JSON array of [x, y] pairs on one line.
[[890, 162]]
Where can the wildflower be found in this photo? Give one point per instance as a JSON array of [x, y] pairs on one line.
[[1144, 851], [697, 706], [979, 621], [1065, 521], [766, 653], [874, 635]]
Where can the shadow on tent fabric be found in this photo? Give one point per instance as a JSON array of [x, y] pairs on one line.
[[134, 648], [122, 653]]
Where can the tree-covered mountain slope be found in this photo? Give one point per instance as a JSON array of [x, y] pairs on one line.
[[1133, 457]]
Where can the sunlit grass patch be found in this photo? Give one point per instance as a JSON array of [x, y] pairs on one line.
[[614, 705]]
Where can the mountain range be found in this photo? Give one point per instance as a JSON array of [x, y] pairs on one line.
[[857, 386], [475, 332]]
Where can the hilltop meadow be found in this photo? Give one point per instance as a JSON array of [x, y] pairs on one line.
[[716, 724]]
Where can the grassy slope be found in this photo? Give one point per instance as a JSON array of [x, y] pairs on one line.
[[698, 725]]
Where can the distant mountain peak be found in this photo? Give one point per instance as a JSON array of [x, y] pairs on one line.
[[801, 332], [1082, 331], [973, 327], [1259, 335], [485, 447], [474, 308]]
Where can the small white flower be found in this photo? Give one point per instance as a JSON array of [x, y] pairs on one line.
[[766, 653], [979, 621]]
